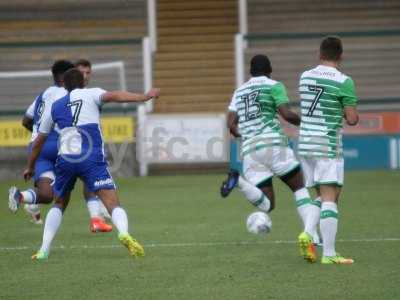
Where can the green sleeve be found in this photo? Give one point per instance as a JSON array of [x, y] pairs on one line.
[[347, 93], [278, 92]]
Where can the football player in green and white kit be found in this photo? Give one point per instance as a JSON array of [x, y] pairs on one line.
[[327, 96], [253, 116]]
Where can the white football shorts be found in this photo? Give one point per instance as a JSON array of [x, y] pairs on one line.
[[318, 171], [261, 165]]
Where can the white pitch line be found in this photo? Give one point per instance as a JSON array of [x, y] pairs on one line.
[[200, 244]]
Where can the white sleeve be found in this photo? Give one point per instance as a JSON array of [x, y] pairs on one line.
[[97, 93], [232, 105], [31, 110], [47, 123]]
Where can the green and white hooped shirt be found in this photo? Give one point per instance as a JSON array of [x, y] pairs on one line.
[[256, 103], [324, 92]]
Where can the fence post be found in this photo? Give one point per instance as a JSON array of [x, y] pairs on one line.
[[143, 109], [152, 23], [140, 140], [147, 70], [243, 17], [239, 59]]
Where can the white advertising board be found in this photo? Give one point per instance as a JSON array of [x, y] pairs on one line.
[[184, 138]]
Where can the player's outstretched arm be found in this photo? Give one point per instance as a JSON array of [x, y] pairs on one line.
[[233, 123], [123, 97], [288, 115], [36, 148], [351, 115]]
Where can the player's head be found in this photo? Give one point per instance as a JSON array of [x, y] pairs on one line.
[[85, 67], [260, 65], [331, 49], [73, 79], [59, 68]]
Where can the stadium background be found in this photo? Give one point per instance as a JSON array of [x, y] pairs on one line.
[[197, 52], [197, 246]]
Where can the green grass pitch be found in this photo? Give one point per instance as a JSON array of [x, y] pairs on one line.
[[197, 246]]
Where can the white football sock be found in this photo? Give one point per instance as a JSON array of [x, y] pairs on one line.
[[328, 226], [120, 220], [255, 196], [52, 223], [29, 196], [93, 206], [302, 198], [308, 212], [315, 212], [103, 211]]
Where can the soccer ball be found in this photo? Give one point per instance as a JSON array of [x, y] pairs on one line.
[[259, 222]]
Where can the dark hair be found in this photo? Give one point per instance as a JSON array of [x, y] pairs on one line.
[[59, 68], [331, 48], [83, 62], [73, 79], [260, 65]]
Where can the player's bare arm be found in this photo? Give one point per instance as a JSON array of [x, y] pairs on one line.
[[233, 124], [122, 96], [351, 115], [36, 148], [288, 115], [27, 123]]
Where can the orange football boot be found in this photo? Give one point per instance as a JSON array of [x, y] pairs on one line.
[[98, 225]]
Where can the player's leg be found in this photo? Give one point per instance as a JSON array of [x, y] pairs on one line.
[[51, 226], [260, 196], [33, 210], [257, 182], [329, 224], [63, 185], [317, 207], [290, 172], [294, 180], [308, 169], [285, 165], [252, 193], [329, 175], [98, 180], [255, 173], [94, 206], [42, 193], [268, 193], [119, 218], [229, 183]]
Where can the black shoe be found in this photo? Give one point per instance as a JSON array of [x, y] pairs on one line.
[[229, 184]]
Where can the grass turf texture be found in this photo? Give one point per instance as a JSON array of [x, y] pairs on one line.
[[167, 212]]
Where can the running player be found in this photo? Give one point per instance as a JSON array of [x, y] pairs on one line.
[[44, 175], [44, 168], [81, 154], [327, 95], [96, 209], [253, 117]]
